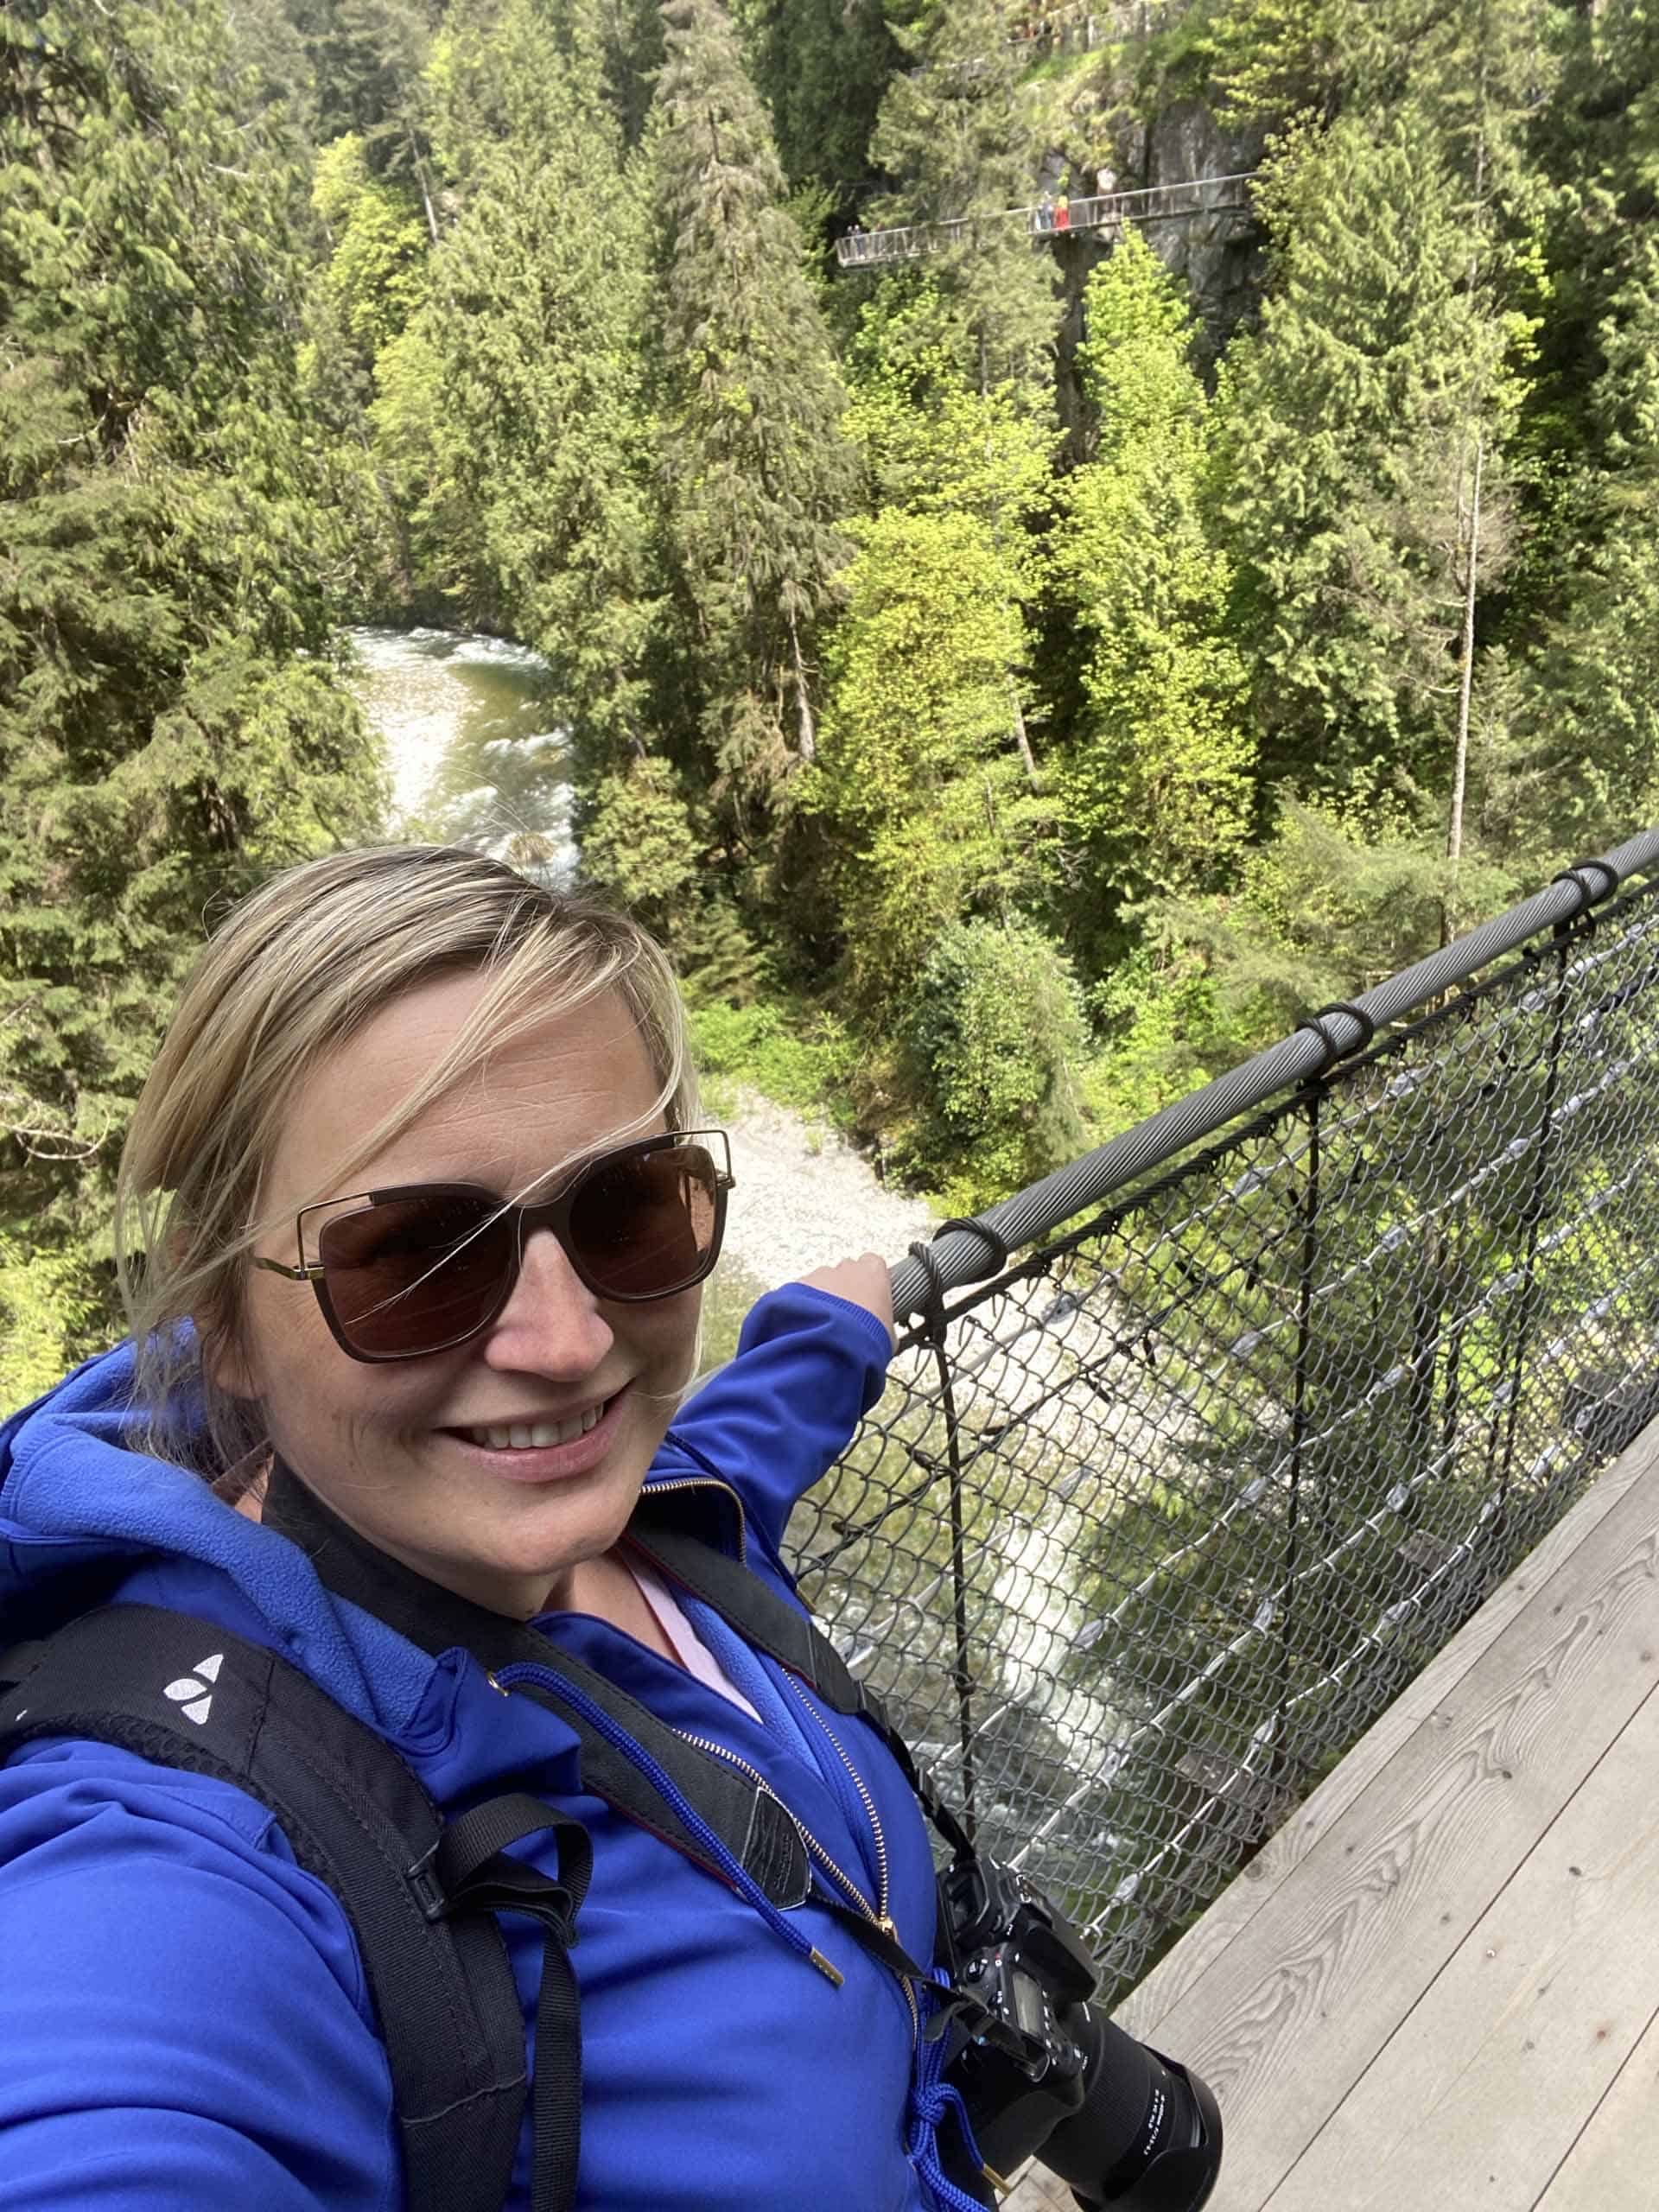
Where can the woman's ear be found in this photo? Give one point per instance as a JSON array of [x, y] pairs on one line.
[[223, 1362]]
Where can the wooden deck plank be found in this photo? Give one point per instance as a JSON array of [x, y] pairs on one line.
[[1614, 2164], [1184, 1966], [1288, 2018], [1346, 1901], [1487, 2080]]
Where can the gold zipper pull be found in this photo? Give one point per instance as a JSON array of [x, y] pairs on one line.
[[830, 1972]]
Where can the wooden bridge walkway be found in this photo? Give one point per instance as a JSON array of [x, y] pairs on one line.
[[1104, 212], [1439, 1983]]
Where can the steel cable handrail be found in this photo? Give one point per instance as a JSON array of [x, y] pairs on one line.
[[960, 1257]]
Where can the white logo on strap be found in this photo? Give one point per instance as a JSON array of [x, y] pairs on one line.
[[200, 1703]]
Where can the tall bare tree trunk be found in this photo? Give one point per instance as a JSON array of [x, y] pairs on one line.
[[1019, 736], [809, 739], [1466, 670]]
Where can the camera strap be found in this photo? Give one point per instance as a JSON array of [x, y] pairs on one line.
[[753, 1824], [773, 1626], [768, 1621]]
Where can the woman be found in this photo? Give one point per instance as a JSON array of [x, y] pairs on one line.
[[183, 2016], [413, 1220]]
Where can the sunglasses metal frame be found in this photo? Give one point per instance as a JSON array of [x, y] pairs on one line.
[[552, 1213]]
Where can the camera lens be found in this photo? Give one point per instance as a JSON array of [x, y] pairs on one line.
[[1147, 2135]]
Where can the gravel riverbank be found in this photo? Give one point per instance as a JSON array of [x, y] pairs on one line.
[[805, 1197]]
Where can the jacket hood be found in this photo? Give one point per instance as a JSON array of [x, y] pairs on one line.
[[81, 1514]]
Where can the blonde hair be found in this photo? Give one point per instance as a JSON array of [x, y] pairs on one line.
[[297, 969]]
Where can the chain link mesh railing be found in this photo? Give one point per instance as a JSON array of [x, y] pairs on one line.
[[1151, 1527]]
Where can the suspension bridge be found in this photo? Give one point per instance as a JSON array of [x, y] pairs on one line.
[[1102, 213], [1278, 1488]]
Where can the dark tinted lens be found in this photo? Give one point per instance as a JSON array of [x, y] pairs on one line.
[[410, 1275], [644, 1226]]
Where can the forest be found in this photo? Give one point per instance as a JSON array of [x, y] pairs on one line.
[[1015, 681]]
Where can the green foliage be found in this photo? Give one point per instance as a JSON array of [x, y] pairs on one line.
[[996, 1028], [172, 557], [1159, 780], [1344, 465], [638, 847], [367, 59], [1333, 903], [48, 1309], [822, 68], [377, 271], [511, 413], [751, 401], [963, 145], [918, 779], [791, 1054], [1156, 1018]]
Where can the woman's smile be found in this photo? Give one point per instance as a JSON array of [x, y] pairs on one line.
[[537, 1450]]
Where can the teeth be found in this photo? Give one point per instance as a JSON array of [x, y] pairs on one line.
[[529, 1436]]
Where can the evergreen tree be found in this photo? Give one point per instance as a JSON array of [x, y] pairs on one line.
[[367, 57], [511, 412], [171, 721], [962, 148], [1581, 763], [822, 67], [756, 468], [1353, 422]]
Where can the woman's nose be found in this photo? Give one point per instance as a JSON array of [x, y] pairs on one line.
[[551, 1324]]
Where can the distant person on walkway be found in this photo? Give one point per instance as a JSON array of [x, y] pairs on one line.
[[1045, 212], [1062, 214]]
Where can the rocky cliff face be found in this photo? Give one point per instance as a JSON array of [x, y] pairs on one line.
[[1219, 255]]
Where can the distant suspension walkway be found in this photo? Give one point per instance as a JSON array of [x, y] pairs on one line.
[[1104, 214]]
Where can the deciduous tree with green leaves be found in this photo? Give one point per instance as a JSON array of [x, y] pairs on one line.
[[928, 811], [1158, 774]]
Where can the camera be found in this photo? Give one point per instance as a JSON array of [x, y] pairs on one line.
[[1043, 2072]]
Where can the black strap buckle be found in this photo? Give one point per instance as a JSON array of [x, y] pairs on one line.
[[429, 1891]]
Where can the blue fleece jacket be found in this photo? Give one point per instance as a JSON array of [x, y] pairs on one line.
[[184, 2021]]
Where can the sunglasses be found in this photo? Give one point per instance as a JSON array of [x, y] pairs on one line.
[[402, 1273]]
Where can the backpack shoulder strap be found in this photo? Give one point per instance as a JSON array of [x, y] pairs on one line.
[[419, 1895], [753, 1825]]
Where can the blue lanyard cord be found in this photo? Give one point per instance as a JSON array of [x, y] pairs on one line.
[[932, 2101], [732, 1868]]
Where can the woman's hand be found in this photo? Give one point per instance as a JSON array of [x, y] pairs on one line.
[[863, 1281]]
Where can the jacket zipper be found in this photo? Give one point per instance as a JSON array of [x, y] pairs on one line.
[[733, 1871], [865, 1799], [879, 1916], [708, 1482]]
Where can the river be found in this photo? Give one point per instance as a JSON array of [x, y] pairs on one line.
[[472, 742]]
